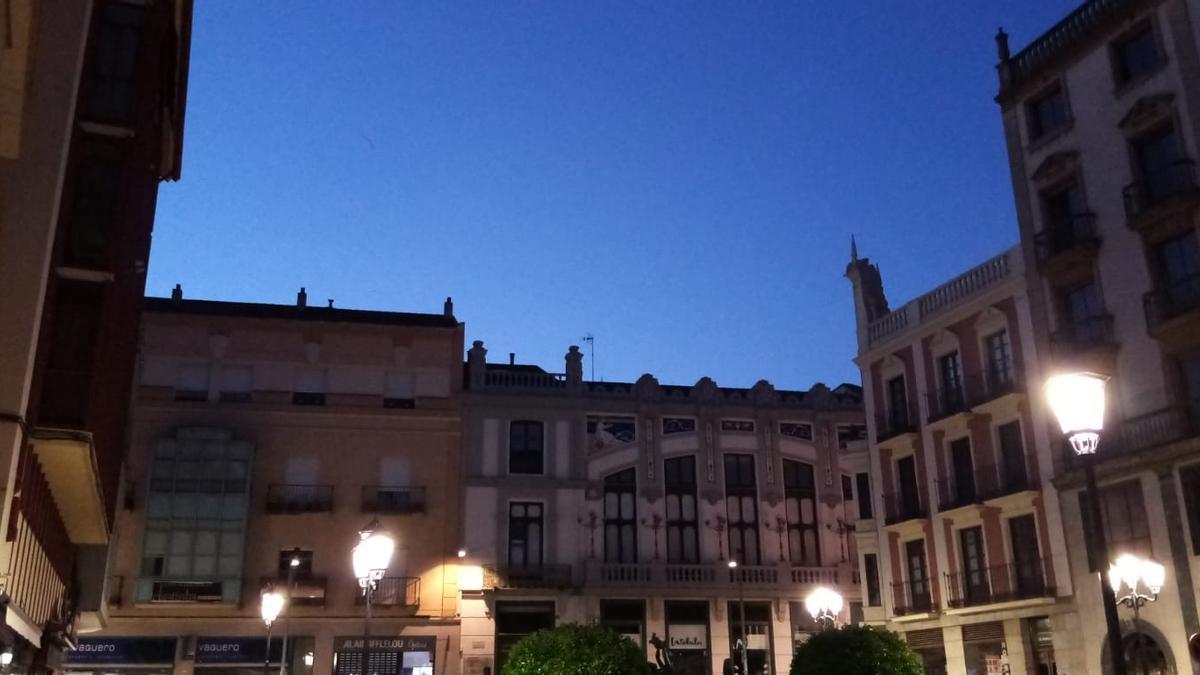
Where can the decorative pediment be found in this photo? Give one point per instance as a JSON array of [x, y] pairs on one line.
[[990, 318], [705, 389], [944, 340], [1056, 166], [646, 386], [891, 364], [764, 393], [1147, 110]]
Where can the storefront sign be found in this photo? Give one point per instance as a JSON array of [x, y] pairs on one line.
[[107, 650], [688, 636], [757, 641], [236, 650], [405, 643]]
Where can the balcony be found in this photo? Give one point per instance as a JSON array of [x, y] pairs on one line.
[[1066, 246], [995, 481], [67, 459], [893, 425], [1168, 191], [393, 592], [901, 507], [519, 578], [1171, 314], [957, 493], [781, 577], [187, 591], [1000, 583], [307, 590], [393, 499], [282, 498], [909, 598], [1171, 423], [946, 402], [1082, 335]]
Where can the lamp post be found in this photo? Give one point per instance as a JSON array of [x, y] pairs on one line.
[[824, 605], [371, 557], [271, 605], [1130, 570], [745, 657], [1077, 400], [293, 564]]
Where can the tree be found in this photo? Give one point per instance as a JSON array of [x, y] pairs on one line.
[[572, 649], [856, 650]]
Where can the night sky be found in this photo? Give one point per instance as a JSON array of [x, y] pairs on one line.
[[680, 179]]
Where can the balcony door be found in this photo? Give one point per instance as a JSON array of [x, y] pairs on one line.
[[1178, 261], [974, 572], [950, 368], [964, 471], [1027, 562], [918, 575], [1155, 153], [906, 470], [897, 404], [525, 535], [1012, 454]]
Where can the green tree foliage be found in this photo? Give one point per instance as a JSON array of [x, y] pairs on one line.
[[572, 649], [856, 650]]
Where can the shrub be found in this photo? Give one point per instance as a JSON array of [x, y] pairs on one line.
[[856, 650], [572, 649]]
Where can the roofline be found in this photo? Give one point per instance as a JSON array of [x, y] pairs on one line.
[[254, 310]]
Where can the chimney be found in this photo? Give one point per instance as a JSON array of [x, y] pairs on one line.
[[177, 293], [302, 298], [574, 368], [476, 365], [448, 308], [512, 358], [330, 303]]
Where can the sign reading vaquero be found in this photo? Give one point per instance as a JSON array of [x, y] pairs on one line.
[[107, 650], [236, 650], [405, 643]]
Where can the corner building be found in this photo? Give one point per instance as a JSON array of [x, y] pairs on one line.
[[262, 432], [621, 503], [965, 554], [1101, 116]]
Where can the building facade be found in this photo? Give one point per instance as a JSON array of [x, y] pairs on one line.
[[262, 433], [622, 503], [92, 98], [1102, 120], [965, 554]]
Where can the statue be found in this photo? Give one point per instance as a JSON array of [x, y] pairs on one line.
[[662, 655]]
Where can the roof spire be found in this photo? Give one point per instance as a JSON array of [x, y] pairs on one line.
[[853, 250]]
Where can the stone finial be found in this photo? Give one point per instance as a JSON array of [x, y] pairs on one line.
[[646, 386], [477, 364], [1002, 45], [302, 298], [574, 359], [853, 250], [448, 308], [177, 293]]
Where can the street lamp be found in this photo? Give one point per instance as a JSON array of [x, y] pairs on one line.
[[1130, 570], [293, 565], [1077, 400], [272, 604], [371, 557], [824, 605], [742, 642]]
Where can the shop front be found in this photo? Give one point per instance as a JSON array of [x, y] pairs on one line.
[[238, 655], [687, 636], [122, 656], [404, 655]]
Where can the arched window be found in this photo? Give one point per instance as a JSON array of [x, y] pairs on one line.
[[1145, 656], [620, 517]]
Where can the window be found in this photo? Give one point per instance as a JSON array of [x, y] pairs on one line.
[[1014, 473], [1178, 259], [1061, 205], [847, 488], [195, 518], [910, 501], [515, 620], [620, 517], [236, 384], [950, 374], [897, 400], [303, 569], [999, 362], [1047, 113], [1027, 561], [741, 509], [1082, 311], [193, 382], [1156, 163], [679, 477], [871, 565], [525, 535], [310, 387], [974, 573], [800, 503], [112, 86], [918, 575], [863, 485], [1135, 55], [95, 203], [625, 617], [525, 447], [75, 325], [1123, 513], [964, 471], [1041, 645], [848, 433]]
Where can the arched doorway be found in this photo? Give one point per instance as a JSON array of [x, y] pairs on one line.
[[1146, 651]]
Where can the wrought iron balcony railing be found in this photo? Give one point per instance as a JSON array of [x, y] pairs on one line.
[[999, 583], [1076, 231], [393, 499], [1174, 179], [291, 498]]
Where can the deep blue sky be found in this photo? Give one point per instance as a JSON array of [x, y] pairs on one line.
[[680, 179]]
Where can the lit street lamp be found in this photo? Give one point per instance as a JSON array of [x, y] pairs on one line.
[[824, 605], [1077, 400], [272, 604], [1131, 570], [293, 564], [371, 557], [742, 642]]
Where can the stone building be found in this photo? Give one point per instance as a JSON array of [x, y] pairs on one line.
[[622, 503], [262, 433], [1102, 120]]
